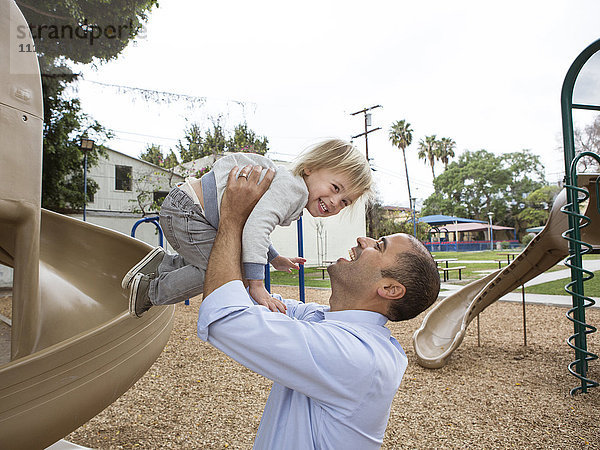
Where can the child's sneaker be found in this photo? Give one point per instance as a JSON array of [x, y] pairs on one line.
[[139, 302], [148, 265]]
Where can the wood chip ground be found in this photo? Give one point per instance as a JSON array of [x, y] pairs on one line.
[[497, 395]]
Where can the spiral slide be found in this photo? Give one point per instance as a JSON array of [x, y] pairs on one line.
[[444, 327], [74, 348]]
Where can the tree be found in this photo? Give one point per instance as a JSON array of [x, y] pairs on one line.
[[429, 151], [588, 140], [401, 137], [82, 31], [153, 154], [171, 160], [197, 146], [64, 125], [215, 141], [192, 148], [537, 206], [446, 150], [245, 140], [481, 182]]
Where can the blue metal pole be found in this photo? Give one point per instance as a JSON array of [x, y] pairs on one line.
[[301, 254], [267, 278], [491, 235], [84, 183]]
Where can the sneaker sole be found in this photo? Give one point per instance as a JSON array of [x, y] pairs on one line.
[[135, 269], [132, 298]]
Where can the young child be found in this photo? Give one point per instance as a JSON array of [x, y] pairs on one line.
[[328, 177]]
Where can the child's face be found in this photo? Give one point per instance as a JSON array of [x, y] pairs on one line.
[[327, 192]]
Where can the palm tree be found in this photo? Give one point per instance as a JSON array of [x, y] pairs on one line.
[[401, 137], [429, 150], [447, 146]]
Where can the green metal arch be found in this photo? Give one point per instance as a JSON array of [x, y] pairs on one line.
[[573, 235]]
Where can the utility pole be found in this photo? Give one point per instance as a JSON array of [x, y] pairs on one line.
[[366, 135], [413, 206], [367, 125]]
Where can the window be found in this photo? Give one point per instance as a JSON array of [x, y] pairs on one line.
[[123, 178], [159, 196]]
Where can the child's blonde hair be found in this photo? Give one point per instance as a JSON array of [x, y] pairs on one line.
[[342, 157]]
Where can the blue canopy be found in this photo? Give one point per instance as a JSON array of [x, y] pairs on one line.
[[440, 219]]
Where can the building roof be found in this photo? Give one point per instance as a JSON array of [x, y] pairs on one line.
[[461, 227], [440, 219], [534, 229]]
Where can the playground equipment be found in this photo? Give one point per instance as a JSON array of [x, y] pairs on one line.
[[444, 327], [74, 349], [579, 223]]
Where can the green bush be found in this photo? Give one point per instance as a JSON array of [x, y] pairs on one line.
[[527, 238]]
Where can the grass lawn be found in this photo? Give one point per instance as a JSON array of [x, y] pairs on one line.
[[557, 287], [313, 276], [488, 255]]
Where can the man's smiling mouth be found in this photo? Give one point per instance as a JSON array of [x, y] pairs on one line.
[[352, 254]]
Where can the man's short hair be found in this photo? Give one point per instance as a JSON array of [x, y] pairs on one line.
[[418, 273]]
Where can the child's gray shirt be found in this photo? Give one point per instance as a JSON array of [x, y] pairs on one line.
[[280, 205]]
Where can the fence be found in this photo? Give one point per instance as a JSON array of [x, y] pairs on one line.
[[468, 246]]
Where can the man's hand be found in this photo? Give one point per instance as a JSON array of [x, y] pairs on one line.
[[286, 264], [259, 293], [240, 197], [243, 192]]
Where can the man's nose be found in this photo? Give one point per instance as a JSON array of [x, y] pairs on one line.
[[364, 242]]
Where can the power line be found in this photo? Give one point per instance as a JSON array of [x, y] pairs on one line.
[[148, 94], [146, 135]]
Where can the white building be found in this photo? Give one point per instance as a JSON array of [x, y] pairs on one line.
[[126, 187]]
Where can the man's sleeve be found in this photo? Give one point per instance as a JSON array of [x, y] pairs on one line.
[[309, 357]]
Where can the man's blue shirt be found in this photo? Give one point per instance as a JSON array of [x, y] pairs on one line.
[[335, 373]]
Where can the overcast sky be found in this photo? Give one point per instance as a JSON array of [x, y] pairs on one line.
[[486, 76]]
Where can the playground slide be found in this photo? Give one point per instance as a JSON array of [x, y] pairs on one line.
[[87, 351], [444, 327], [74, 348]]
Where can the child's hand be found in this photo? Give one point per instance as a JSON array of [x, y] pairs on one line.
[[286, 264], [257, 291]]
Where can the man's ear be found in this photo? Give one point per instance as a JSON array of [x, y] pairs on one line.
[[391, 289]]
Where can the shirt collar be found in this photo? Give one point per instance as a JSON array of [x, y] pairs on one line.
[[357, 315]]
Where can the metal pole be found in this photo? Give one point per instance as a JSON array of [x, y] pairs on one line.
[[267, 278], [301, 254], [366, 138], [491, 233], [84, 183], [407, 182], [368, 212], [524, 317], [478, 334], [413, 217]]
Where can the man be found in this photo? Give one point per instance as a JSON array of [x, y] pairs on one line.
[[335, 370]]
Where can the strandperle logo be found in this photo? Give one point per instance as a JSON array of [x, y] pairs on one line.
[[84, 31]]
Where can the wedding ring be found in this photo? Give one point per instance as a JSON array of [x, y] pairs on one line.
[[245, 175]]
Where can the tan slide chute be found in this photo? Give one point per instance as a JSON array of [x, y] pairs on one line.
[[444, 327], [74, 348]]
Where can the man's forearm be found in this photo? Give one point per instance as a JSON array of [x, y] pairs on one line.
[[224, 263]]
